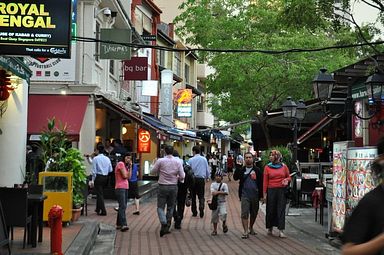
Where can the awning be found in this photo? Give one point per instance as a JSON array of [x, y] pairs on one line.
[[110, 104], [172, 132], [318, 126], [68, 110], [195, 90]]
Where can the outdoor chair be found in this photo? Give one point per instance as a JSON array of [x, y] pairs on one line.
[[15, 206], [307, 187]]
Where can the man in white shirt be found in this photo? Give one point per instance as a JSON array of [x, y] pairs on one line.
[[101, 167]]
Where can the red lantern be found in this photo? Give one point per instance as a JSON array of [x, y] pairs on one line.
[[5, 85], [4, 94]]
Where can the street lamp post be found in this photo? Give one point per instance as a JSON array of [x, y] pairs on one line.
[[295, 113], [323, 85]]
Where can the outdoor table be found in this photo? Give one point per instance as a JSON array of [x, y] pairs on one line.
[[36, 201]]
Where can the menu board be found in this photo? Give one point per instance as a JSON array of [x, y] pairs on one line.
[[359, 175], [340, 150]]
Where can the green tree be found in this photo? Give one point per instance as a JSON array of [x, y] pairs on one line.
[[247, 85]]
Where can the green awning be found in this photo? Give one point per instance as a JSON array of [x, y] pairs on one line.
[[16, 66]]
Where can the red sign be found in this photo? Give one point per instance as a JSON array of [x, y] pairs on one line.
[[144, 141], [136, 69]]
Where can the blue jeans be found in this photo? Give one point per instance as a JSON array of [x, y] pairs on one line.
[[122, 199], [166, 196]]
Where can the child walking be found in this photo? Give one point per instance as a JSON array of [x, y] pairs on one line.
[[221, 190]]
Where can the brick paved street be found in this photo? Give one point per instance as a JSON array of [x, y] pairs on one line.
[[194, 237]]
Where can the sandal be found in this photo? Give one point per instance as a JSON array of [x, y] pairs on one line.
[[214, 233], [225, 228], [244, 236]]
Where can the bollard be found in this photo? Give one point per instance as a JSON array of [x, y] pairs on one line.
[[55, 217]]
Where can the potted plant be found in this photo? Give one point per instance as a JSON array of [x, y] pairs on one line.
[[60, 156]]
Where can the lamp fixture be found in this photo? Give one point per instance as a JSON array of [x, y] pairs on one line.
[[323, 85], [294, 113]]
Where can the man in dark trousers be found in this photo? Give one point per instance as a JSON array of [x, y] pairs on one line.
[[250, 192], [182, 191], [199, 165], [101, 167]]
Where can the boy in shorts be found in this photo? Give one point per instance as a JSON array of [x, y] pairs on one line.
[[221, 211]]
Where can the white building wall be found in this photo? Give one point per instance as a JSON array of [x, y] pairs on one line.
[[13, 126], [88, 131]]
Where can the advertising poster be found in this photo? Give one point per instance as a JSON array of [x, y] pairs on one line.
[[38, 28], [183, 99], [53, 69], [340, 150], [359, 177]]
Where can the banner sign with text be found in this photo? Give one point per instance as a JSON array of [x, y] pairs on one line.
[[136, 69], [112, 50], [144, 141], [38, 28], [183, 99]]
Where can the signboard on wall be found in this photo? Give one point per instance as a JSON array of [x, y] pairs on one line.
[[53, 69], [115, 50], [38, 28], [56, 69], [136, 69], [183, 99], [144, 141]]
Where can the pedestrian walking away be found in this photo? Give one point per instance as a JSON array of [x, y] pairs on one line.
[[182, 191], [230, 166], [250, 189], [199, 166], [123, 172], [219, 189], [275, 182], [170, 171], [364, 231], [101, 167], [133, 191]]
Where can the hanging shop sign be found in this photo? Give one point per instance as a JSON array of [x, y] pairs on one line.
[[136, 69], [144, 141], [38, 28], [183, 99], [115, 50]]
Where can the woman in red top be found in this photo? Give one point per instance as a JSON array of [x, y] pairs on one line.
[[276, 179], [123, 171]]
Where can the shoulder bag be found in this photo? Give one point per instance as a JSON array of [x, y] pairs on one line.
[[212, 204]]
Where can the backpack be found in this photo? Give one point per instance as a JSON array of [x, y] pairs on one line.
[[189, 177]]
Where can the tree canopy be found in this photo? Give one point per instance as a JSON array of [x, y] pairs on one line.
[[246, 85]]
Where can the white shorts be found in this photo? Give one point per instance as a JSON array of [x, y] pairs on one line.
[[219, 213]]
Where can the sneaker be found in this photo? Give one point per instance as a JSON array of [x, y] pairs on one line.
[[282, 235], [124, 228], [225, 228], [118, 227], [269, 232], [116, 208]]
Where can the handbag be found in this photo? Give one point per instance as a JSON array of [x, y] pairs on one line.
[[213, 203]]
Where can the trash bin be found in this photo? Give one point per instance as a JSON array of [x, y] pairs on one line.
[[57, 186]]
